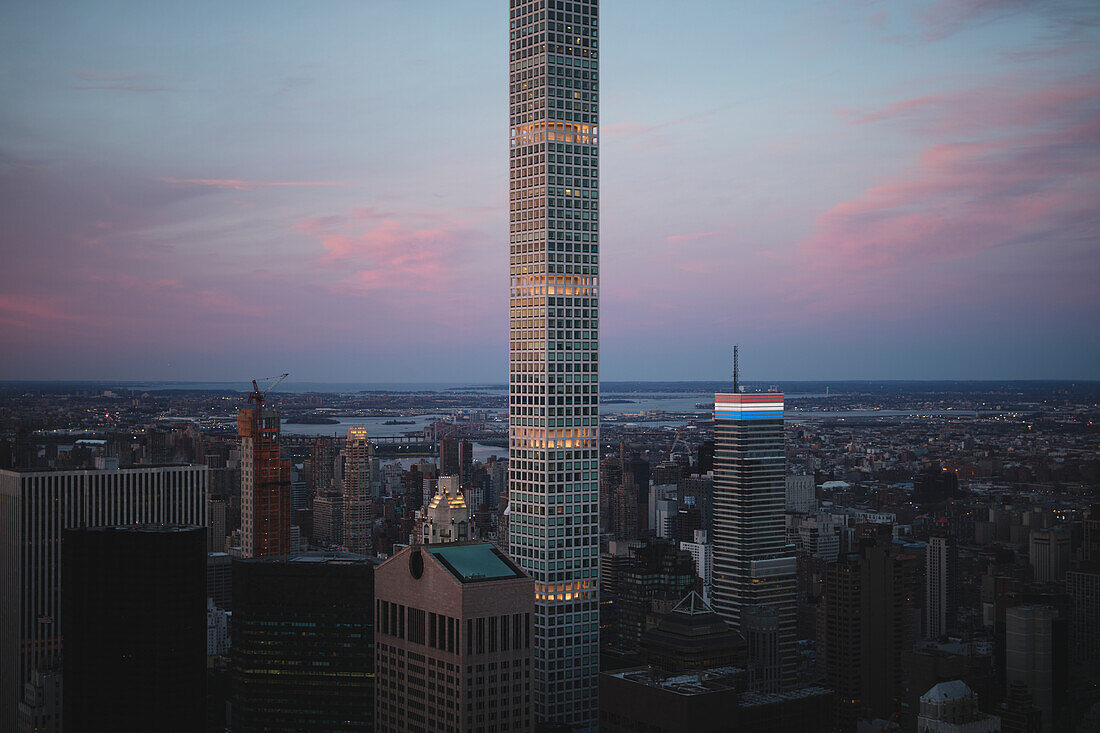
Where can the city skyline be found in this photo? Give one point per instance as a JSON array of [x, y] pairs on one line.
[[850, 190]]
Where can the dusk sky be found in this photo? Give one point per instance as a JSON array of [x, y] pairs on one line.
[[212, 190]]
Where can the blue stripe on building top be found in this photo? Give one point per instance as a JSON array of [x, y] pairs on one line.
[[722, 415]]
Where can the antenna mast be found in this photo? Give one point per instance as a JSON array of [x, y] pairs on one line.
[[736, 372]]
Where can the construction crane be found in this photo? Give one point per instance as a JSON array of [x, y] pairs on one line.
[[257, 396]]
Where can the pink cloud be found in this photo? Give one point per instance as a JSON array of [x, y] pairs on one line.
[[30, 312], [1033, 178], [981, 110], [421, 252], [241, 185]]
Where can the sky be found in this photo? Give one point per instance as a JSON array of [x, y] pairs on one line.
[[212, 190]]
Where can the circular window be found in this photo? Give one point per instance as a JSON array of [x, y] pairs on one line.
[[416, 564]]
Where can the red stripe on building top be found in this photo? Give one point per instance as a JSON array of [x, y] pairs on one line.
[[743, 399]]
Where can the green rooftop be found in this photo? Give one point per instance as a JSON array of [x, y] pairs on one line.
[[475, 562]]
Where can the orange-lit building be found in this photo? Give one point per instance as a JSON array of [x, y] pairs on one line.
[[265, 484]]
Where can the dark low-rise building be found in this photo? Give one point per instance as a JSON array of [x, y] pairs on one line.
[[707, 701]]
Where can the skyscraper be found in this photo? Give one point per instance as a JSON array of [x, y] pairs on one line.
[[447, 518], [265, 482], [35, 506], [454, 641], [302, 656], [554, 342], [941, 581], [358, 453], [134, 601], [752, 563]]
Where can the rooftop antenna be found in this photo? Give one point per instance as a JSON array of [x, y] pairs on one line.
[[736, 372]]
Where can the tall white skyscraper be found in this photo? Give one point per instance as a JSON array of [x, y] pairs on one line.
[[753, 564], [35, 507], [554, 343]]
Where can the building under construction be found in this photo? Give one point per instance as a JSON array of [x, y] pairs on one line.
[[265, 480]]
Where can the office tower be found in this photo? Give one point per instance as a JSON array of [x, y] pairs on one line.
[[328, 519], [801, 498], [888, 589], [611, 476], [663, 507], [1083, 589], [454, 640], [698, 492], [625, 511], [322, 464], [302, 656], [134, 624], [753, 565], [637, 471], [219, 579], [941, 583], [1050, 553], [299, 495], [554, 342], [447, 518], [40, 708], [1035, 656], [448, 455], [654, 580], [760, 627], [358, 456], [498, 476], [705, 458], [817, 535], [35, 506], [1018, 711], [702, 553], [952, 707], [839, 637], [465, 463], [692, 636], [265, 482], [215, 525], [217, 630]]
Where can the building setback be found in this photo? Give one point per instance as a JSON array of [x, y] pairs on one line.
[[134, 610], [302, 656], [553, 361], [454, 641], [35, 508]]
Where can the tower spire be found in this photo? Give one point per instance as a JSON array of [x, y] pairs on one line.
[[736, 372]]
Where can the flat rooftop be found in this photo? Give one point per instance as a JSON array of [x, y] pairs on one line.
[[475, 562]]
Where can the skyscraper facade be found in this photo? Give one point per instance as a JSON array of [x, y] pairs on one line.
[[941, 568], [753, 565], [134, 622], [265, 484], [357, 491], [554, 342], [302, 656], [35, 507]]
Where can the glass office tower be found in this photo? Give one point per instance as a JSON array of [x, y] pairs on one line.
[[554, 342], [753, 565]]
